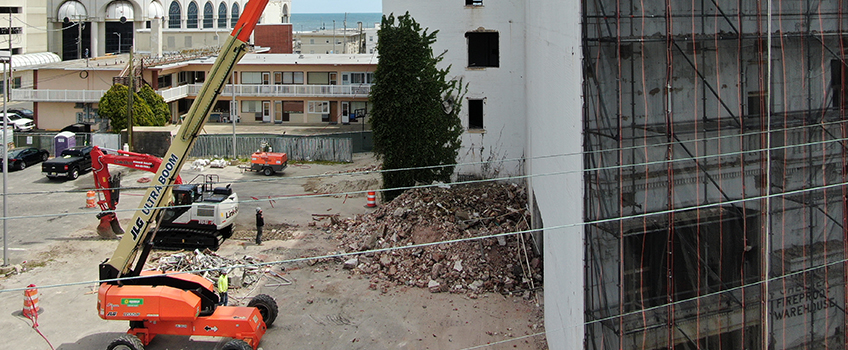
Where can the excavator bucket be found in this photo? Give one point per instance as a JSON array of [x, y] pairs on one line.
[[109, 226]]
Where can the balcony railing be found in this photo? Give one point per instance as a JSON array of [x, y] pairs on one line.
[[251, 90], [46, 95], [176, 93]]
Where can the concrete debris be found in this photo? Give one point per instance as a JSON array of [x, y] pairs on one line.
[[351, 264], [219, 163], [197, 260], [429, 215]]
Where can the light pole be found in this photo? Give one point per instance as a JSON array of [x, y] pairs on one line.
[[119, 40]]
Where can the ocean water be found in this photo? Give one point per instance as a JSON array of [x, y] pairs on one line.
[[307, 22]]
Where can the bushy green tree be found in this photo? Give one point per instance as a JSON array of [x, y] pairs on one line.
[[161, 110], [413, 117], [113, 105]]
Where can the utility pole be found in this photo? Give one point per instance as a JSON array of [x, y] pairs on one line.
[[360, 44], [334, 36], [79, 37], [344, 34], [130, 101], [8, 83]]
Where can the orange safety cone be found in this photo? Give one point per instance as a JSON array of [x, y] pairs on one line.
[[30, 302], [372, 199], [90, 199]]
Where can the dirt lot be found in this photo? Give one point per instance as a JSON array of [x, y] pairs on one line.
[[324, 307]]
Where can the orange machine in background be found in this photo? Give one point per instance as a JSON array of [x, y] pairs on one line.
[[268, 163]]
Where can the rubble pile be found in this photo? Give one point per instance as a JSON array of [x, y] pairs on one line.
[[503, 264], [197, 260], [279, 232]]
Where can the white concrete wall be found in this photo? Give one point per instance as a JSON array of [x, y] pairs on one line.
[[502, 88], [554, 127]]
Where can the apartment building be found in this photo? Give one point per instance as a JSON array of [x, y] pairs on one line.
[[270, 88]]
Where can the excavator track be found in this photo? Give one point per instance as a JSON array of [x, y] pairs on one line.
[[172, 238]]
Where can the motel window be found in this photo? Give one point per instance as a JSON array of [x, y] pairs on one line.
[[288, 78], [164, 81], [475, 114], [251, 77], [482, 49], [319, 107]]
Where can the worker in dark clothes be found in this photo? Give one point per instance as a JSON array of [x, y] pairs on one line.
[[260, 221]]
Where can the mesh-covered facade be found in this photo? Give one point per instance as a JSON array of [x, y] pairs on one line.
[[715, 169]]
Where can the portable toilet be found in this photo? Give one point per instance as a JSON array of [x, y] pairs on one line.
[[63, 141]]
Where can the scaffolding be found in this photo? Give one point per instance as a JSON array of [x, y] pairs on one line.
[[715, 174]]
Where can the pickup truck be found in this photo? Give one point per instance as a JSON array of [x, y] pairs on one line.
[[69, 164]]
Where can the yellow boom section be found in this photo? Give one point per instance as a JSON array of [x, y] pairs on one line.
[[233, 50]]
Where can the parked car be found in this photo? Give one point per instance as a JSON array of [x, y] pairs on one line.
[[78, 127], [21, 157], [23, 112], [69, 164], [20, 123]]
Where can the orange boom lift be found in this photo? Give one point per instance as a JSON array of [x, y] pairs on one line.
[[180, 304]]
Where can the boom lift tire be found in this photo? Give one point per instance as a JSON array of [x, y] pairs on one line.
[[267, 308], [236, 344], [268, 171], [126, 342]]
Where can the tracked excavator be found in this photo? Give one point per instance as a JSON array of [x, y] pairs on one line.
[[199, 216], [185, 304]]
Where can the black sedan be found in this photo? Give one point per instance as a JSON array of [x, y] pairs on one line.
[[20, 158]]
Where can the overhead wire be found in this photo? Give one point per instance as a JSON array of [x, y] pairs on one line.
[[519, 159]]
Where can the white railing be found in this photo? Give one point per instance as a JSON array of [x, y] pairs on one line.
[[286, 90], [47, 95], [173, 94]]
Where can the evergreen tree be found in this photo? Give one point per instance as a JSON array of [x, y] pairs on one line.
[[113, 105], [161, 110], [413, 116]]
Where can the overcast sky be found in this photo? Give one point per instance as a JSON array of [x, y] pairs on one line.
[[336, 6]]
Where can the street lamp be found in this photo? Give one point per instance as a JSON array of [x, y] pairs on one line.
[[119, 40]]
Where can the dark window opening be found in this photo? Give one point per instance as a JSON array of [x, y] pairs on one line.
[[756, 103], [839, 79], [475, 114], [14, 30], [715, 249], [234, 14], [222, 15], [207, 15], [482, 49], [174, 13], [71, 48], [191, 18], [473, 2], [7, 9], [164, 81]]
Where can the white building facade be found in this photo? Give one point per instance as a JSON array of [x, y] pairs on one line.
[[522, 63], [93, 28]]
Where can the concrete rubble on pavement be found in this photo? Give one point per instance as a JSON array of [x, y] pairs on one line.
[[504, 264], [197, 260]]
